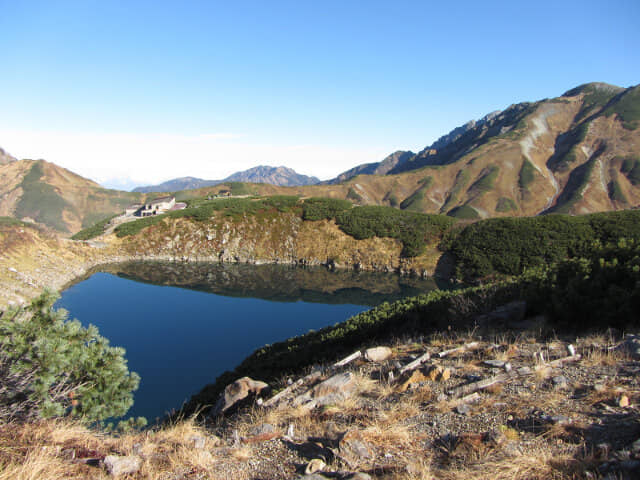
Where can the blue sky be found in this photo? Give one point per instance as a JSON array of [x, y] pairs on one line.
[[145, 91]]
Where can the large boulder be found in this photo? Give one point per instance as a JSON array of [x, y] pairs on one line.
[[117, 465], [377, 354], [237, 393]]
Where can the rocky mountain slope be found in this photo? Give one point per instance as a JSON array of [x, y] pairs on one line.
[[396, 159], [39, 191], [576, 153], [281, 176], [5, 157]]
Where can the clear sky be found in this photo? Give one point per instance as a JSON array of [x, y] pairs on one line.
[[143, 91]]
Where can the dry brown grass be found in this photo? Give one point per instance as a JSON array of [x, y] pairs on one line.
[[543, 466]]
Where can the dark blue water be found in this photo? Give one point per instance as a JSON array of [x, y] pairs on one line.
[[180, 339]]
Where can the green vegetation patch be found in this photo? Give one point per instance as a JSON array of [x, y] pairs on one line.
[[13, 222], [486, 181], [40, 201], [414, 230], [464, 212], [506, 205], [631, 169], [415, 202], [627, 108], [94, 230], [615, 192], [527, 174], [317, 208], [576, 184], [510, 245], [354, 196], [462, 178]]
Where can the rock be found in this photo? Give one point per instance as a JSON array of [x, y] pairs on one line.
[[415, 377], [262, 429], [434, 373], [198, 441], [377, 354], [340, 383], [314, 466], [117, 465], [560, 382], [360, 476], [463, 409], [623, 401], [599, 387], [494, 363], [631, 345], [635, 446], [313, 476], [353, 449], [238, 391]]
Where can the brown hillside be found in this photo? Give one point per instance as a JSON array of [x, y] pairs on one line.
[[43, 192]]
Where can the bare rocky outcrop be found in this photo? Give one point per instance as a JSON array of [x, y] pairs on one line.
[[239, 392]]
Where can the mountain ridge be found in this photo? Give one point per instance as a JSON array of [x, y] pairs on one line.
[[280, 176]]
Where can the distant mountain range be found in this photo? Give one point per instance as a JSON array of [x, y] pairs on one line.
[[280, 176], [577, 153]]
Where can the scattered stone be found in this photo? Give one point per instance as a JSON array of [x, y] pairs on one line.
[[353, 449], [314, 466], [631, 345], [263, 428], [560, 382], [238, 391], [623, 401], [340, 383], [198, 441], [377, 354], [117, 465], [415, 377], [494, 363]]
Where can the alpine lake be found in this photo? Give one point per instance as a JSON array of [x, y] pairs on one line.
[[183, 324]]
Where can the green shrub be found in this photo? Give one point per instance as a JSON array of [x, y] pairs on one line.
[[51, 367], [353, 195], [413, 229], [511, 245], [94, 230], [323, 208]]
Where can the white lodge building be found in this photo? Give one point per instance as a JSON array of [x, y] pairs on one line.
[[154, 207]]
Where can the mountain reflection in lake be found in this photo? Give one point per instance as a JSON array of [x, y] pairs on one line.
[[179, 339]]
